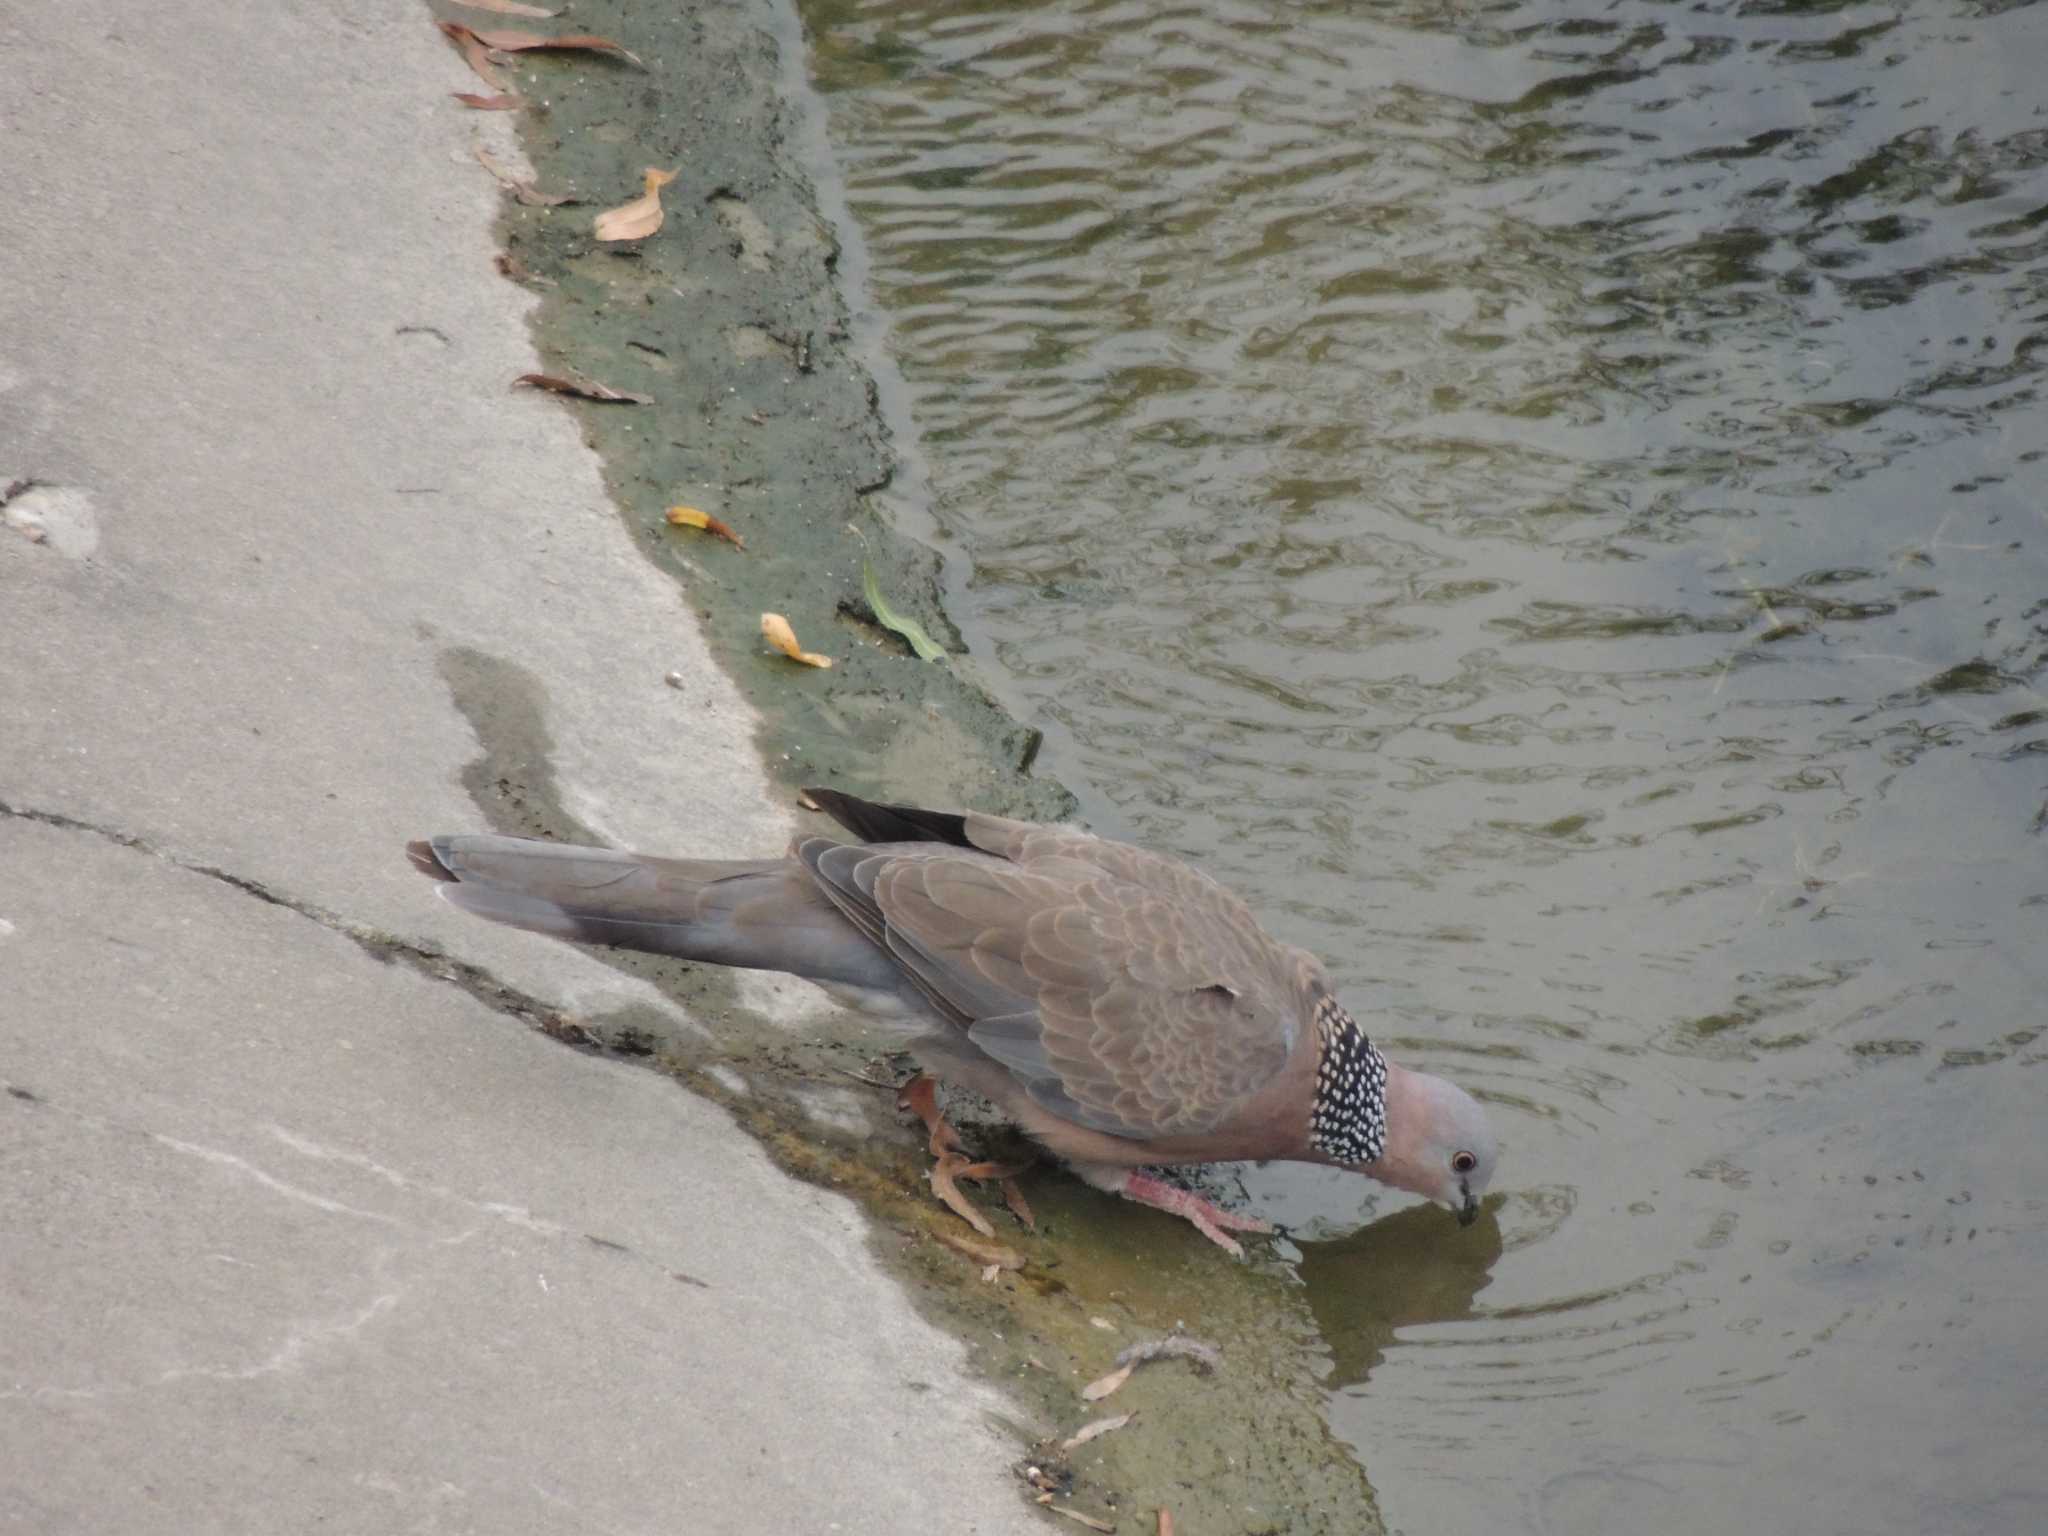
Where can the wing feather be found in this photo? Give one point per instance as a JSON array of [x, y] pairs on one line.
[[1124, 990], [1144, 1007]]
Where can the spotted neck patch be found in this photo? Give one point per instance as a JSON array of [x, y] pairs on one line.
[[1349, 1119]]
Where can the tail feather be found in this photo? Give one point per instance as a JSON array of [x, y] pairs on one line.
[[761, 914], [873, 822]]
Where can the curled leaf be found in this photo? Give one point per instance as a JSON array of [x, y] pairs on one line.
[[1102, 1386], [690, 517], [1090, 1521], [1089, 1431], [778, 633], [522, 42], [582, 389], [926, 647], [506, 8], [518, 186], [476, 53], [642, 216]]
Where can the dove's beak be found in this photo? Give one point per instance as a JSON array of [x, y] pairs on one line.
[[1469, 1211]]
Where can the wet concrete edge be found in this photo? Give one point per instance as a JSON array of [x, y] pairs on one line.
[[765, 414]]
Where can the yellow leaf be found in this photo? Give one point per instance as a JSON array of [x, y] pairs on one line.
[[642, 216], [783, 638], [690, 517]]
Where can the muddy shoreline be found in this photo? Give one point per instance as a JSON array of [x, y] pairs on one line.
[[766, 416]]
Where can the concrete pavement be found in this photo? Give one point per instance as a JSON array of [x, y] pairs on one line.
[[294, 1235]]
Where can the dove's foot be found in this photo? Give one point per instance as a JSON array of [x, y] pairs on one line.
[[921, 1095], [1209, 1218]]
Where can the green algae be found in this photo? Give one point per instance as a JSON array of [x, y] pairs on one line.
[[729, 318]]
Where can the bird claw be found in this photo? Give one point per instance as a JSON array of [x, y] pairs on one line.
[[1206, 1216], [1020, 1208], [921, 1095], [981, 1171], [944, 1171]]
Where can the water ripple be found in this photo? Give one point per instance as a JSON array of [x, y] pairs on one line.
[[1548, 500]]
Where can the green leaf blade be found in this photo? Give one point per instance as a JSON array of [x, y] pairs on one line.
[[913, 632]]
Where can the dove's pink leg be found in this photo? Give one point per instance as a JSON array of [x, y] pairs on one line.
[[1209, 1218]]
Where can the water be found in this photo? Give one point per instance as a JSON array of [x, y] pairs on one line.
[[1548, 500]]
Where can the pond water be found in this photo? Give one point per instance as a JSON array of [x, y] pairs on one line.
[[1548, 500]]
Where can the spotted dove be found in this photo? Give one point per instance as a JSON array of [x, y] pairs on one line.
[[1123, 1008]]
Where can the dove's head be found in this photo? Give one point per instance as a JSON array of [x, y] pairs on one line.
[[1439, 1142], [1407, 1129]]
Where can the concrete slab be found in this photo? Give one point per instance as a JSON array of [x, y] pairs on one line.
[[299, 1239], [295, 1237], [251, 334]]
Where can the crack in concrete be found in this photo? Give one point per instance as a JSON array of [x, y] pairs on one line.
[[387, 948]]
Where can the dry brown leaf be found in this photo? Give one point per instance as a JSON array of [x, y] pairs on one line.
[[523, 42], [1087, 1432], [1102, 1386], [474, 51], [518, 186], [642, 216], [505, 103], [1175, 1346], [583, 389], [519, 271], [776, 628], [1090, 1521], [507, 8], [690, 517], [982, 1253]]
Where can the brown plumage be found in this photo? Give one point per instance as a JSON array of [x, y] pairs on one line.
[[1123, 1007]]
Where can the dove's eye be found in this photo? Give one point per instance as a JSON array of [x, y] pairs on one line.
[[1463, 1162]]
